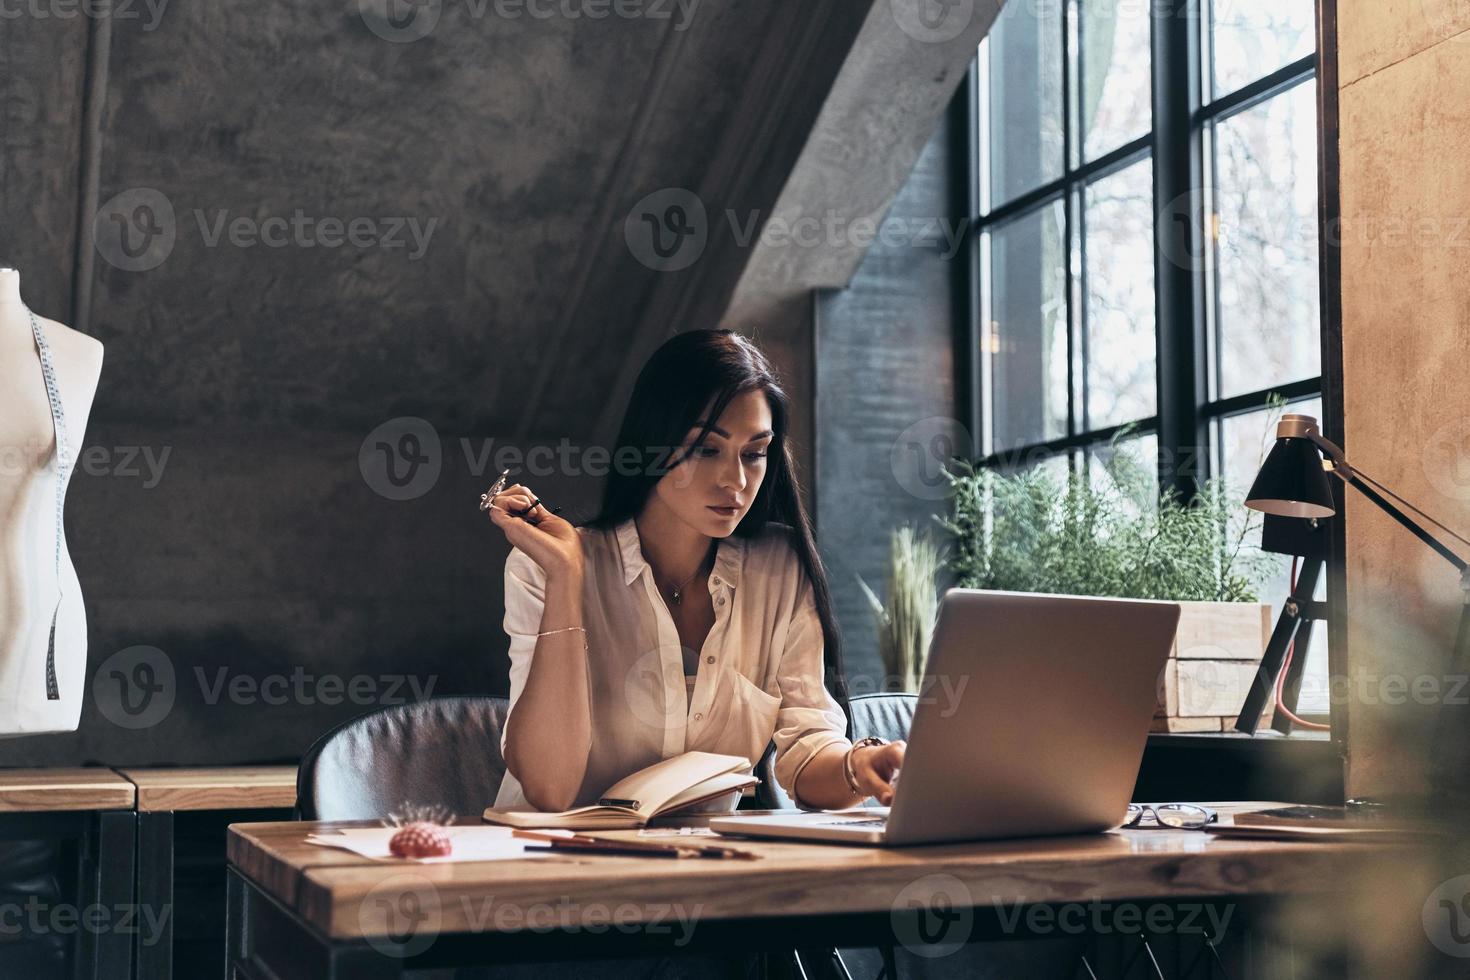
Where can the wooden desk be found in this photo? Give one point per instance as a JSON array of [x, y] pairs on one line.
[[161, 794], [222, 788], [297, 909], [94, 806], [61, 790]]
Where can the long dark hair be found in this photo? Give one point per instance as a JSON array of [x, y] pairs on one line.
[[672, 391]]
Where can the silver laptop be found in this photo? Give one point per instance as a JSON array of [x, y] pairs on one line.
[[1031, 721]]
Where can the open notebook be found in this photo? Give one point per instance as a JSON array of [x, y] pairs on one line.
[[664, 787]]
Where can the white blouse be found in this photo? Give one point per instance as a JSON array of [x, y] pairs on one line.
[[759, 673]]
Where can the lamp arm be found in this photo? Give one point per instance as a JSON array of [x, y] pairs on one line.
[[1352, 479], [1334, 454], [1301, 426]]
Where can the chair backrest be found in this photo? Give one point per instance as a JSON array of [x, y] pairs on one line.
[[887, 716], [444, 751]]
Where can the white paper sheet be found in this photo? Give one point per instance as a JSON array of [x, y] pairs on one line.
[[469, 844]]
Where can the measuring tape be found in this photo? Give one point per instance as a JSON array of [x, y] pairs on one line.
[[63, 472]]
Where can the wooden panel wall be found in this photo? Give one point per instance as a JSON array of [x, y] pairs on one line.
[[1405, 134]]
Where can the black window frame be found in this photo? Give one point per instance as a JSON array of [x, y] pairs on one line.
[[1187, 409]]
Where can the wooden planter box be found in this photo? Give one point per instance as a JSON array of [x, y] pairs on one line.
[[1212, 666]]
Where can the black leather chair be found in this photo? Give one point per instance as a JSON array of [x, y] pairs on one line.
[[444, 751]]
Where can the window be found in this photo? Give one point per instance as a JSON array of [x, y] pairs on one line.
[[1147, 238]]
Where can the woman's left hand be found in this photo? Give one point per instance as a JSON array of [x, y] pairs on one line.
[[876, 766]]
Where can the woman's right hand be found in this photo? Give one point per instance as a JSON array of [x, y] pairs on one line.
[[550, 541]]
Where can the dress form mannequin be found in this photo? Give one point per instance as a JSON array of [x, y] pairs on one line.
[[30, 583]]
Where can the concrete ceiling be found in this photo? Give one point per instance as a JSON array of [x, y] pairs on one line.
[[506, 153]]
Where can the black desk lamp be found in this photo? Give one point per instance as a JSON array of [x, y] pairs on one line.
[[1293, 483]]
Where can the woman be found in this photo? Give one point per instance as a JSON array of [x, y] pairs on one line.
[[692, 614]]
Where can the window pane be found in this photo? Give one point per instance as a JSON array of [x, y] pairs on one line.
[[1027, 342], [1131, 466], [1269, 329], [1245, 439], [1115, 74], [1118, 343], [1253, 38], [1244, 442], [1025, 98], [1315, 698], [1057, 466]]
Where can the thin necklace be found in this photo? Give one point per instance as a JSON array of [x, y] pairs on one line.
[[678, 596]]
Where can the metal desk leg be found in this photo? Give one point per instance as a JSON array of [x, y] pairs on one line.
[[237, 920], [360, 963], [106, 953], [258, 928], [155, 947]]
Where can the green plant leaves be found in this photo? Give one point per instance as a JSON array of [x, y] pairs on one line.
[[1032, 532]]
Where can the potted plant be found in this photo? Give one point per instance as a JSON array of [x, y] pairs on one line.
[[1111, 535], [905, 622]]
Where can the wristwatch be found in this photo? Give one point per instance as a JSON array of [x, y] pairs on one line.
[[847, 760]]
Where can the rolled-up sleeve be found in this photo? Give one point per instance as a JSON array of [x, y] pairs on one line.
[[525, 598], [810, 719]]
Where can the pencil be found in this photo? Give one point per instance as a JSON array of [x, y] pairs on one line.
[[581, 842]]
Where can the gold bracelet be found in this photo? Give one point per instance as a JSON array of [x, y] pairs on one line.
[[568, 629], [847, 770]]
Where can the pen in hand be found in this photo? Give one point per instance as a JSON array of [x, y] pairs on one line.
[[487, 499]]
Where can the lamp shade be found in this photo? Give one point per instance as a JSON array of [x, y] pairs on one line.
[[1292, 482]]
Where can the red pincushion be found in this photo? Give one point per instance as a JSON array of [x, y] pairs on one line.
[[420, 840]]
